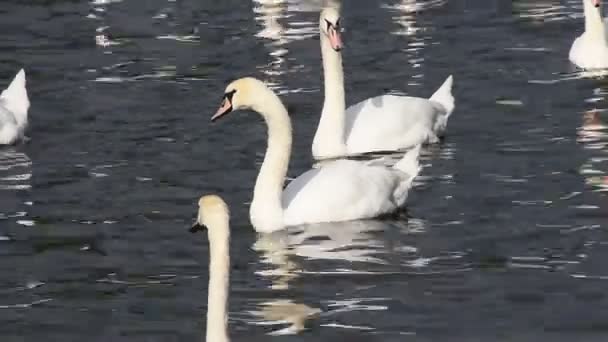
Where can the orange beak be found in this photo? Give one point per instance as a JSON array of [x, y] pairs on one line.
[[596, 3], [225, 108], [335, 39]]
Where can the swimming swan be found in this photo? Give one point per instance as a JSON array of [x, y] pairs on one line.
[[214, 216], [382, 123], [590, 50], [340, 190], [14, 105]]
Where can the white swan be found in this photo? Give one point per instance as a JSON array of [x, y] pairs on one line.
[[14, 105], [213, 215], [340, 190], [382, 123], [590, 50]]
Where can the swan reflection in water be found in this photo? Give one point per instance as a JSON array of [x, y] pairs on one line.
[[15, 170], [405, 13], [543, 11], [15, 175], [284, 311], [359, 243], [353, 241], [594, 136], [273, 17], [268, 14]]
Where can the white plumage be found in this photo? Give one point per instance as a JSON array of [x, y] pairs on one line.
[[14, 105], [382, 123], [339, 190], [388, 122], [590, 50], [346, 190]]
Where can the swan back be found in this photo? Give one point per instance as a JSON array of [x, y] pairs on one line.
[[14, 99], [357, 190]]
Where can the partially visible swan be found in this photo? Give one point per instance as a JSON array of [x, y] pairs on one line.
[[382, 123], [213, 215], [14, 105], [590, 50], [340, 190]]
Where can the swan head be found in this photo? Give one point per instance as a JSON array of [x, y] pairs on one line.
[[329, 25], [596, 3], [243, 93], [212, 214]]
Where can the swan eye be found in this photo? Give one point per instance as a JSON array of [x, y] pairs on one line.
[[335, 27], [228, 96], [329, 25]]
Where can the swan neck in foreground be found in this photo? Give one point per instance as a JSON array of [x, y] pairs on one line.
[[266, 210], [219, 280], [594, 25], [329, 140]]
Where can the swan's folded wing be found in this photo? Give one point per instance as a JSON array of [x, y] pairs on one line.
[[6, 117], [387, 123], [341, 191]]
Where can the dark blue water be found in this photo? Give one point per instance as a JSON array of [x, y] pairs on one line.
[[507, 236]]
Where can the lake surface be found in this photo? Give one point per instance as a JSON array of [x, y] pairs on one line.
[[506, 239]]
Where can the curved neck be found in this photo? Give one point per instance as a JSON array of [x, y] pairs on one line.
[[266, 208], [219, 279], [594, 25], [329, 139]]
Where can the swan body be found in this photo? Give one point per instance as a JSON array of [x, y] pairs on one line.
[[382, 123], [388, 122], [213, 215], [338, 191], [347, 190], [590, 50], [14, 105]]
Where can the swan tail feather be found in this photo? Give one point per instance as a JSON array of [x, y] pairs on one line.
[[409, 163], [15, 96], [444, 96]]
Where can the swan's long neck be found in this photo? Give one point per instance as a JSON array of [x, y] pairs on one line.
[[219, 279], [594, 25], [329, 139], [266, 208]]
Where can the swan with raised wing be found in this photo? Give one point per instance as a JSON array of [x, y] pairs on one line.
[[590, 50], [214, 216], [340, 190], [382, 123]]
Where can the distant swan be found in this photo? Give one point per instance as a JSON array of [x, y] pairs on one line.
[[14, 105], [340, 190], [382, 123], [590, 50], [214, 216]]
